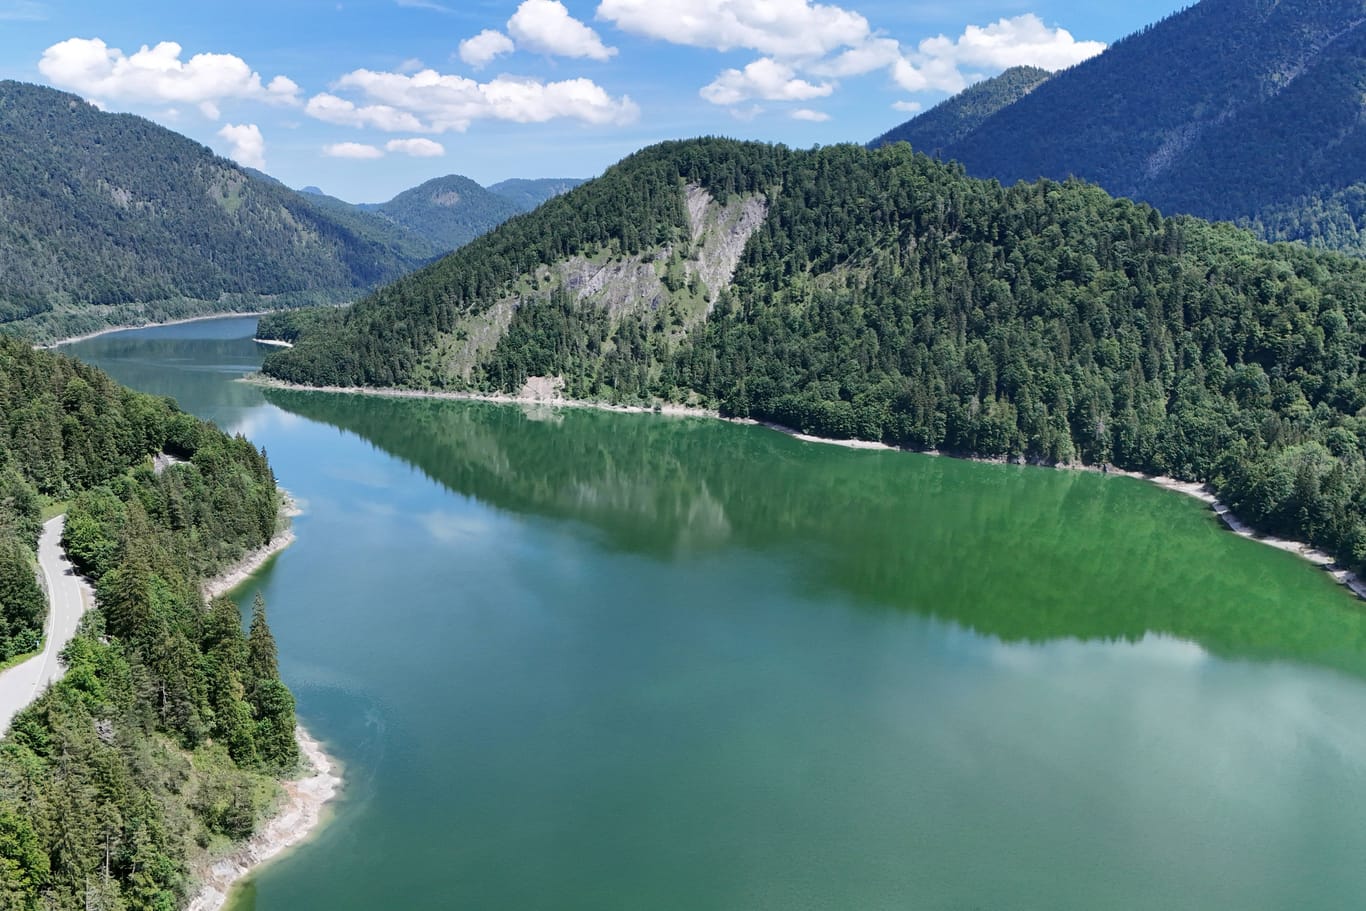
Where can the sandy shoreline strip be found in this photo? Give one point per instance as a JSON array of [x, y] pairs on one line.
[[240, 571], [175, 322], [297, 818], [391, 392]]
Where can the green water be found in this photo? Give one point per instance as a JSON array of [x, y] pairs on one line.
[[576, 660]]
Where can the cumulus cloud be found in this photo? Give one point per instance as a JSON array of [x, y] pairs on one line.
[[247, 146], [480, 50], [357, 150], [332, 109], [765, 79], [909, 107], [939, 63], [418, 148], [776, 28], [157, 75], [809, 115], [546, 27], [432, 102]]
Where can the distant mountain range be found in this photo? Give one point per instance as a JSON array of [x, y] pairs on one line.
[[109, 219], [1247, 110]]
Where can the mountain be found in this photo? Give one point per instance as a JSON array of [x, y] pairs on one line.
[[955, 118], [447, 212], [528, 194], [110, 219], [881, 295], [1260, 121]]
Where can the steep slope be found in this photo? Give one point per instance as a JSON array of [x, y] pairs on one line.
[[412, 245], [1261, 115], [108, 218], [162, 741], [954, 118], [527, 194], [882, 295], [447, 212]]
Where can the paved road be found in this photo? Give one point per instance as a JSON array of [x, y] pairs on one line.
[[68, 597]]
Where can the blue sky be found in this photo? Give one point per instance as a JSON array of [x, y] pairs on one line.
[[365, 98]]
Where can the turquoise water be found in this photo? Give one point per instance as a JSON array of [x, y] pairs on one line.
[[578, 660]]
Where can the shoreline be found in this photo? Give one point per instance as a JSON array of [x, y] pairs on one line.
[[297, 819], [239, 572], [149, 325], [258, 379], [1195, 489]]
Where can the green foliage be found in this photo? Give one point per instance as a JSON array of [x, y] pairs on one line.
[[889, 297], [115, 214], [447, 212], [162, 737], [529, 194], [23, 606], [1260, 122]]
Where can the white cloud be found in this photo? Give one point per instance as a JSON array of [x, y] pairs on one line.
[[158, 75], [873, 54], [810, 115], [909, 107], [411, 65], [418, 148], [546, 27], [778, 28], [938, 63], [432, 102], [352, 150], [247, 145], [423, 4], [765, 79], [210, 110], [480, 50], [331, 109]]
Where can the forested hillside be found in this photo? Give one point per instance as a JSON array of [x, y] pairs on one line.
[[447, 212], [527, 194], [162, 739], [1232, 109], [886, 296], [109, 219], [955, 118]]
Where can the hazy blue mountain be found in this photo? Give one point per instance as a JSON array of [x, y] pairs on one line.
[[1248, 110], [528, 194], [954, 118]]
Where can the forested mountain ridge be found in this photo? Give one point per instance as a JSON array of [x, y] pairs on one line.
[[447, 212], [883, 295], [109, 219], [164, 737], [1260, 122], [528, 193], [955, 118]]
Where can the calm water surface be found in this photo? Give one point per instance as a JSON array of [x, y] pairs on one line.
[[576, 660]]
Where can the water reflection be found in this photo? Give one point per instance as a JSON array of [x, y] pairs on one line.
[[1017, 553]]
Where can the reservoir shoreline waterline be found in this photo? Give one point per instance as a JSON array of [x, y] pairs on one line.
[[1194, 489], [297, 819], [577, 659]]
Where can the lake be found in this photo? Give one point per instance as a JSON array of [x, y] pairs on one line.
[[572, 659]]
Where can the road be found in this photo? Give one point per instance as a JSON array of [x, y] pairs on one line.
[[68, 597]]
